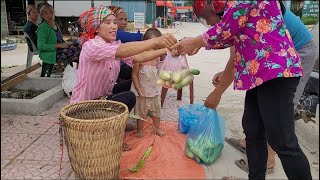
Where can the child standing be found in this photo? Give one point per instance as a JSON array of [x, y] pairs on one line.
[[144, 77]]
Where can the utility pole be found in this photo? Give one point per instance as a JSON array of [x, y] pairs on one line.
[[152, 17], [164, 13]]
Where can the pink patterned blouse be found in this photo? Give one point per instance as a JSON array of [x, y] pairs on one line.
[[264, 48]]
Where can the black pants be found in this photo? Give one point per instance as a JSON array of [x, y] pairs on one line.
[[125, 72], [269, 116], [121, 94], [46, 69], [123, 85], [124, 77]]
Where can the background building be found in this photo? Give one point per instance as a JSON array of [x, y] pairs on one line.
[[13, 12]]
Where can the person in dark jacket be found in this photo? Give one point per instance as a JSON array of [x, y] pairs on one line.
[[31, 26], [122, 19], [123, 36]]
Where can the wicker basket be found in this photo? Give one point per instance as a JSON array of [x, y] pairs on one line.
[[94, 132]]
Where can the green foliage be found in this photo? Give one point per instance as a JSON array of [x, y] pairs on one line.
[[188, 3], [309, 20]]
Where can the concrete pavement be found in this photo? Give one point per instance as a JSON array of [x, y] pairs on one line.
[[29, 144]]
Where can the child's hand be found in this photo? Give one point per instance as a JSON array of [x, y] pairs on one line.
[[140, 91], [174, 53]]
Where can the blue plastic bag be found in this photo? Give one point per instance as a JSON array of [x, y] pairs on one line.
[[206, 137], [188, 115]]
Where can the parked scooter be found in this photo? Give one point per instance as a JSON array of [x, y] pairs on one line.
[[308, 104], [73, 31]]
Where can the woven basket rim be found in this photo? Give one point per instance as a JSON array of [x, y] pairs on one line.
[[64, 116]]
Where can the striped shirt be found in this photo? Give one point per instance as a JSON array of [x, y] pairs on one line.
[[98, 70]]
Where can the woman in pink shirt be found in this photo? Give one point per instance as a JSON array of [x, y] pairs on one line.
[[99, 63], [268, 68]]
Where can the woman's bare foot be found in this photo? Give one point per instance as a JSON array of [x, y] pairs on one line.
[[271, 165], [242, 142], [139, 134], [271, 162], [125, 147], [160, 133]]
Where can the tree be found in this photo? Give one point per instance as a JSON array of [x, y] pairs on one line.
[[188, 3]]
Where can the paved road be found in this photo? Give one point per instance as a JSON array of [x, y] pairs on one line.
[[208, 62]]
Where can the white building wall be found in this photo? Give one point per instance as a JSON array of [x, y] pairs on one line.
[[73, 8]]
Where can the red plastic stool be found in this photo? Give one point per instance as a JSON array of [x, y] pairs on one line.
[[179, 94]]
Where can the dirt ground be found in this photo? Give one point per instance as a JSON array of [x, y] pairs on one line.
[[231, 105]]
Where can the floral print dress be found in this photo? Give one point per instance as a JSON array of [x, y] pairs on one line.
[[264, 48]]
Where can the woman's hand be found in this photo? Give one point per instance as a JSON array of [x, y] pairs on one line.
[[216, 78], [166, 41], [195, 51], [189, 46], [213, 100], [62, 45]]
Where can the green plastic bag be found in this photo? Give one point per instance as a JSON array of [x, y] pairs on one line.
[[206, 137]]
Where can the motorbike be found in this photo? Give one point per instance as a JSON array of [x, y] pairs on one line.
[[308, 106], [308, 103], [73, 31]]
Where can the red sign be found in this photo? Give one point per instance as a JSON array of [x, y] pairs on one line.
[[168, 4]]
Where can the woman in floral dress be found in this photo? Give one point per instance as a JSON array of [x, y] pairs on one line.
[[268, 68]]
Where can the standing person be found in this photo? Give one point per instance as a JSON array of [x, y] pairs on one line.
[[287, 4], [269, 69], [306, 49], [155, 24], [160, 22], [31, 26], [100, 58], [145, 76]]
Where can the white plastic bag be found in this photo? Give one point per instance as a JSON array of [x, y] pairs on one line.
[[69, 79], [175, 72]]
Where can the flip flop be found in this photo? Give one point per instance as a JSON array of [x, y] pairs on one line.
[[230, 178], [236, 144], [243, 164]]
